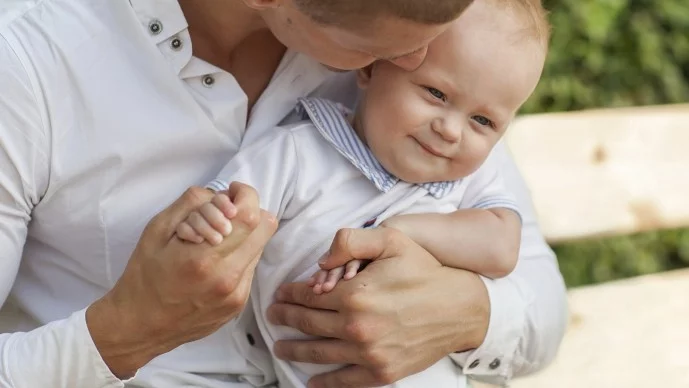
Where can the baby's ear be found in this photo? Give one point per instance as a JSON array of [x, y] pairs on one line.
[[363, 76]]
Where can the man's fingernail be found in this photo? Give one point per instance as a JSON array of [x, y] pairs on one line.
[[280, 294]]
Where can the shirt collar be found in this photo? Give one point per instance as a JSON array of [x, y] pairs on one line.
[[330, 120], [166, 12], [170, 35]]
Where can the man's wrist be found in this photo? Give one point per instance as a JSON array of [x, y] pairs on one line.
[[116, 343], [472, 309]]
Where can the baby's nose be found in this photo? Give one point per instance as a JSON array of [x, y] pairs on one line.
[[449, 130]]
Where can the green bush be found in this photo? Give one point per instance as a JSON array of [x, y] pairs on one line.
[[611, 53]]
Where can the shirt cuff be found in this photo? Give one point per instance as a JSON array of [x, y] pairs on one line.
[[497, 357], [217, 185], [98, 365]]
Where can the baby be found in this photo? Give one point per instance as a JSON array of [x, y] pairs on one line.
[[413, 156]]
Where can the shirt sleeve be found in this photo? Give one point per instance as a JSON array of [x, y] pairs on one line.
[[269, 165], [61, 354], [486, 188], [528, 307]]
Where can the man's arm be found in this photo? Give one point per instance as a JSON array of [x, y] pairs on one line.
[[170, 293], [528, 307], [24, 171]]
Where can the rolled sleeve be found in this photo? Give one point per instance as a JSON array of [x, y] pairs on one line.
[[60, 354], [498, 355], [528, 307]]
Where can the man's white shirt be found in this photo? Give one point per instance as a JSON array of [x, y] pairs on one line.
[[105, 119]]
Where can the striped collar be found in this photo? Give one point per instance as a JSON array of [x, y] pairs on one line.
[[329, 118]]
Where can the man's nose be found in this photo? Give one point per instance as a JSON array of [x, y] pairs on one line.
[[411, 61]]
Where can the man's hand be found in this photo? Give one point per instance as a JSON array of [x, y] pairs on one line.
[[397, 317], [173, 292]]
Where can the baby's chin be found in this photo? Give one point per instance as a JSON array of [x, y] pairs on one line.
[[417, 176], [426, 176]]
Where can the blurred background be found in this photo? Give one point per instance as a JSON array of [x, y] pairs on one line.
[[608, 180], [607, 54]]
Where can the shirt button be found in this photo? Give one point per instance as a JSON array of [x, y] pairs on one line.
[[155, 27], [208, 81], [250, 338], [474, 364], [176, 43], [495, 364]]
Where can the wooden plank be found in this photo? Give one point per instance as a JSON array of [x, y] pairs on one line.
[[632, 333], [606, 172]]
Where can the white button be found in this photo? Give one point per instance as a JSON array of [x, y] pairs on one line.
[[176, 43], [155, 27], [208, 81]]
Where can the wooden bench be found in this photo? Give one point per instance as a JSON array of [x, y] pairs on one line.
[[611, 172]]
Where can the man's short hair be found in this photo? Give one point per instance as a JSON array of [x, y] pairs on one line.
[[352, 12]]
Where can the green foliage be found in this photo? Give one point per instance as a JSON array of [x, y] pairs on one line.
[[611, 53], [605, 259]]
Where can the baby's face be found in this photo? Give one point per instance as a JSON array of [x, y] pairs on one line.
[[441, 121]]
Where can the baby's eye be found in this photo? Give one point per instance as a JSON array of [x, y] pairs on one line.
[[436, 93], [483, 121]]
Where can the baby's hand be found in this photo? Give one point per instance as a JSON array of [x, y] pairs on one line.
[[324, 281], [210, 222]]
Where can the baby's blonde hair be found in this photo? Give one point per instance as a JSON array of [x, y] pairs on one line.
[[537, 26]]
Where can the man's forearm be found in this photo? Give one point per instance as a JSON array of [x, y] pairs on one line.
[[60, 354]]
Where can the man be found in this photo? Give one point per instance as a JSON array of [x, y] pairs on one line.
[[110, 108]]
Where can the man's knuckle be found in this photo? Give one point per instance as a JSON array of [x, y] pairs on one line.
[[356, 331], [197, 268], [252, 218], [341, 238], [385, 376], [357, 301], [227, 285], [375, 358], [236, 300]]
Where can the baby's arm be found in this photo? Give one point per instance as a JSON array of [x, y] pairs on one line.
[[485, 241]]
